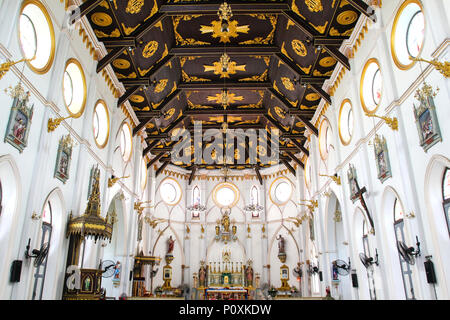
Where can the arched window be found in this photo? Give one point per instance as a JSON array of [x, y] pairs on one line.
[[196, 200], [445, 196], [254, 201], [399, 229], [39, 276]]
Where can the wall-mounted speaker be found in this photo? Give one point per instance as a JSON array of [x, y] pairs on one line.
[[429, 270], [354, 280], [16, 270], [320, 276], [131, 275]]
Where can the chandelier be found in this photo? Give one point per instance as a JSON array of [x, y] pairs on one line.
[[196, 209], [254, 208]]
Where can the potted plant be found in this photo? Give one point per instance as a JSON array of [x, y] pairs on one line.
[[273, 292]]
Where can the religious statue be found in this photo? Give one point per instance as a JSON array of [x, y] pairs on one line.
[[226, 222], [249, 274], [202, 275], [171, 244], [335, 271], [280, 244]]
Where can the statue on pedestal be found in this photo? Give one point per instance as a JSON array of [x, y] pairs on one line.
[[249, 274], [171, 245], [280, 244], [202, 275]]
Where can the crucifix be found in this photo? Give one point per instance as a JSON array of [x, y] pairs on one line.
[[359, 195]]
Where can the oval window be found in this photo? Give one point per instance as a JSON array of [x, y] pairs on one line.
[[408, 34], [371, 86], [126, 142], [74, 88], [36, 36], [324, 139], [100, 124], [346, 122]]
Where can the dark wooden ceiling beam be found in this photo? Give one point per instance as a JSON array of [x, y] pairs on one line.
[[121, 42], [238, 7], [335, 53], [219, 50], [258, 174], [364, 8], [330, 41], [137, 35], [302, 118], [321, 92], [234, 112], [290, 155], [221, 85], [155, 159], [314, 36], [191, 177], [230, 126], [83, 10], [138, 86], [288, 165]]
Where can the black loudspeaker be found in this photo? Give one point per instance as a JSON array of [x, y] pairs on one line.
[[16, 270], [320, 276], [429, 270], [131, 275], [354, 280]]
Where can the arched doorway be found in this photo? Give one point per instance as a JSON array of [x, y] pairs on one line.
[[115, 250], [337, 249]]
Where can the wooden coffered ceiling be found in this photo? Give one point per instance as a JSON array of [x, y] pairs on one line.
[[168, 55]]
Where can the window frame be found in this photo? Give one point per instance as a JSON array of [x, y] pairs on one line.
[[361, 86], [340, 123], [51, 57], [80, 112], [94, 114]]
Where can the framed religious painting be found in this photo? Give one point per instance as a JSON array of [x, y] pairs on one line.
[[63, 158], [19, 123], [382, 158], [351, 175], [426, 119]]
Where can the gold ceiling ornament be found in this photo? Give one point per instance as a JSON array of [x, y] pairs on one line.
[[231, 31], [310, 204], [225, 12], [161, 85], [288, 84], [150, 49], [138, 206], [347, 17], [391, 122], [121, 64], [113, 180], [134, 6], [335, 178], [299, 48], [312, 97], [442, 67], [101, 19], [225, 98], [327, 62], [224, 67], [314, 5], [4, 67]]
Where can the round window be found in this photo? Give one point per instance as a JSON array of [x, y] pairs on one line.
[[371, 86], [226, 195], [281, 191], [74, 88], [36, 36], [408, 34], [346, 122], [170, 191], [100, 124], [126, 142]]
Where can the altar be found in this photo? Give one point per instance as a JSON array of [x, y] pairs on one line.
[[220, 293]]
